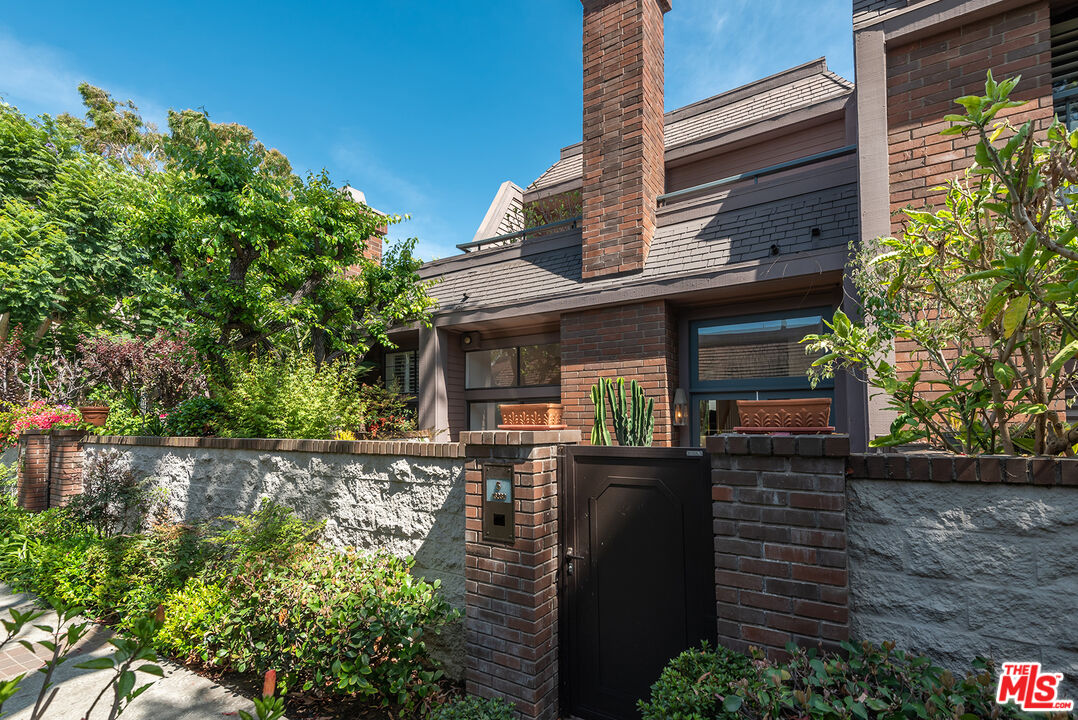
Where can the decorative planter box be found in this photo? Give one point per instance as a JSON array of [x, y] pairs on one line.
[[95, 415], [532, 416], [795, 415]]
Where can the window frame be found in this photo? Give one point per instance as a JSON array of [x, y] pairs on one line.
[[517, 384], [413, 372], [763, 384]]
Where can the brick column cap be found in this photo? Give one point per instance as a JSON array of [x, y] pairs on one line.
[[520, 437], [664, 5]]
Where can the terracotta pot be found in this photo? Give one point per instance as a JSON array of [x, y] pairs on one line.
[[794, 415], [531, 416], [95, 415]]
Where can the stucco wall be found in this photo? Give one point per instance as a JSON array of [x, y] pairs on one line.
[[956, 569], [407, 505], [9, 458]]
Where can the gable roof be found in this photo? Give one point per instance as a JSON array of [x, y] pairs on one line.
[[799, 87]]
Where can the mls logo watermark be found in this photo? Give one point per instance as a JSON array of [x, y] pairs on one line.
[[1033, 690]]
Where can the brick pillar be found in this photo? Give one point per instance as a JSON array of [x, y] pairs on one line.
[[624, 154], [33, 474], [512, 597], [780, 540], [65, 466]]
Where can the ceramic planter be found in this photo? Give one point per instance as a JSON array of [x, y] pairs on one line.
[[531, 416], [95, 415], [794, 415]]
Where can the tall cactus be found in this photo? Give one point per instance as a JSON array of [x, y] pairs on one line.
[[599, 434], [633, 418]]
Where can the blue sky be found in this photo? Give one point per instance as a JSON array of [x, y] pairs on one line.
[[425, 106]]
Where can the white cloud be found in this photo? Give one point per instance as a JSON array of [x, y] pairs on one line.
[[715, 46], [41, 79]]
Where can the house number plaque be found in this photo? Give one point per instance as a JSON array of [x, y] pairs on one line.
[[498, 520]]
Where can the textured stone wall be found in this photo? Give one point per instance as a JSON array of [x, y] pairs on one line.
[[407, 505], [956, 569], [9, 459]]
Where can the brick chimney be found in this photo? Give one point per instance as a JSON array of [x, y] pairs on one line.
[[624, 165]]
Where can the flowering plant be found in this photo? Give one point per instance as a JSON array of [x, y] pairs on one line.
[[37, 415]]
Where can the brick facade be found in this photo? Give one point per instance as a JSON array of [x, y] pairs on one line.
[[33, 473], [624, 160], [637, 342], [50, 468], [512, 590], [924, 78], [780, 540]]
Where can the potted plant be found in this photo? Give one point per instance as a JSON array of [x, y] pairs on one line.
[[791, 415], [96, 410], [531, 416]]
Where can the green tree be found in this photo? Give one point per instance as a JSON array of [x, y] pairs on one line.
[[64, 262], [983, 289], [259, 256]]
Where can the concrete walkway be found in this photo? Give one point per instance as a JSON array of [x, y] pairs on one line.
[[180, 695]]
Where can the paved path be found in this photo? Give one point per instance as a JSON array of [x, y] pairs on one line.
[[180, 695]]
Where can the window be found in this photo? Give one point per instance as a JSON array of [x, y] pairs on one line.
[[1065, 66], [402, 372], [517, 374], [523, 366], [754, 357]]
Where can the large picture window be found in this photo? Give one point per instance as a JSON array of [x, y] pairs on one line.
[[752, 357], [521, 366], [523, 373]]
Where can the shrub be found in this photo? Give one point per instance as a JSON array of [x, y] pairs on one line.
[[272, 533], [386, 413], [191, 613], [145, 373], [287, 397], [340, 622], [199, 416], [865, 682], [695, 684], [113, 499], [473, 708], [37, 415]]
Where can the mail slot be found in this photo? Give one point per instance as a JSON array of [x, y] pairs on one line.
[[498, 520]]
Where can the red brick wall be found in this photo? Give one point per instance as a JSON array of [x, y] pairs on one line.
[[780, 541], [33, 479], [65, 466], [637, 342], [512, 593], [924, 78], [623, 132]]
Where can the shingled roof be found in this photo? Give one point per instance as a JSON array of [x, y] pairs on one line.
[[799, 87], [795, 213]]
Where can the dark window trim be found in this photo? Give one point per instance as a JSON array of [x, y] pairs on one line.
[[509, 393]]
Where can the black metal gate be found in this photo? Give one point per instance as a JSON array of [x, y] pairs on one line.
[[638, 571]]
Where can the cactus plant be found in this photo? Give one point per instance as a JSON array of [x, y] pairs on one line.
[[599, 434], [633, 418]]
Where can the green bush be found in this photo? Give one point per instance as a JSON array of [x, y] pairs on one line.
[[695, 684], [287, 398], [260, 592], [473, 708], [192, 613], [864, 682], [354, 624], [195, 417]]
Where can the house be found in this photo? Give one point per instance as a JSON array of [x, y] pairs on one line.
[[692, 249]]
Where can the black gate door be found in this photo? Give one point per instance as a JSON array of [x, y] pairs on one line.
[[638, 571]]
